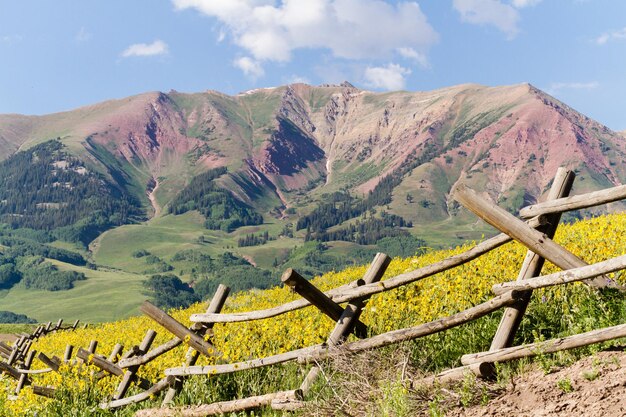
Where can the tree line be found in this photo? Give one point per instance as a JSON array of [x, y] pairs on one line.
[[220, 208], [46, 188]]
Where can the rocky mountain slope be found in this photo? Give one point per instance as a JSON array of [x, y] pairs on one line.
[[287, 146]]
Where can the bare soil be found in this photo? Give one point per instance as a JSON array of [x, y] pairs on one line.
[[7, 337], [593, 387]]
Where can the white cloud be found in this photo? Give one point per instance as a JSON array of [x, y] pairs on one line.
[[390, 77], [611, 36], [297, 79], [490, 12], [412, 54], [10, 39], [520, 4], [250, 67], [557, 87], [157, 47], [351, 29], [82, 36]]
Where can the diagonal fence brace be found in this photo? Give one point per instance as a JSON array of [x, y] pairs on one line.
[[320, 300], [534, 240]]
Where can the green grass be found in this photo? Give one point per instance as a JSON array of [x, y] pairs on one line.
[[105, 295], [163, 236], [10, 328]]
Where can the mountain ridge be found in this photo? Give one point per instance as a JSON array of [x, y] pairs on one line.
[[287, 146]]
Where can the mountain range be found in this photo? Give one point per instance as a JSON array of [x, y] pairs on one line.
[[287, 146]]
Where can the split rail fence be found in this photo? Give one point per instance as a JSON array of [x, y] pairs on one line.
[[536, 233]]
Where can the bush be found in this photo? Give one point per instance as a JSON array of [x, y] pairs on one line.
[[238, 278], [40, 275], [9, 276], [10, 317], [140, 253], [168, 291]]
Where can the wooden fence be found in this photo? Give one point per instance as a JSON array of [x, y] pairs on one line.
[[535, 233]]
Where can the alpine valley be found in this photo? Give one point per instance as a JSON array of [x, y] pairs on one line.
[[110, 198]]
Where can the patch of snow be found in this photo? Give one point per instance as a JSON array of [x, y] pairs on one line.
[[256, 90]]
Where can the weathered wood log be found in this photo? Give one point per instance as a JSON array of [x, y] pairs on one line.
[[155, 389], [576, 202], [564, 277], [67, 355], [130, 374], [44, 391], [133, 360], [113, 358], [9, 370], [75, 325], [548, 346], [53, 363], [21, 352], [37, 332], [533, 263], [5, 349], [403, 335], [216, 305], [24, 377], [286, 404], [320, 300], [223, 407], [93, 345], [350, 316], [320, 352], [484, 370], [115, 353], [520, 231], [129, 354], [177, 329], [58, 325], [35, 371], [350, 291], [241, 366], [15, 354], [91, 359]]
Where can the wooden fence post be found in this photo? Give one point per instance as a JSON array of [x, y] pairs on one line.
[[532, 265], [115, 353], [68, 353], [320, 300], [129, 375], [520, 231], [349, 317], [53, 363], [24, 377], [177, 329], [217, 302]]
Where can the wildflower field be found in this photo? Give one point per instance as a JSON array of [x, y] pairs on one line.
[[553, 312]]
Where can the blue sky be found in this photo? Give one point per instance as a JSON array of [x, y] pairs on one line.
[[62, 54]]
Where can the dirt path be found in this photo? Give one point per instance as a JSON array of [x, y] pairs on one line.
[[592, 387], [7, 337], [153, 200]]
